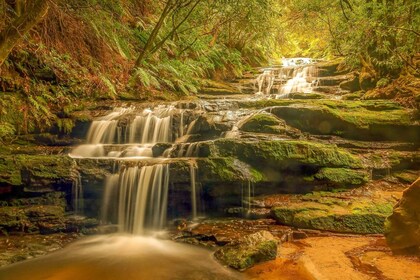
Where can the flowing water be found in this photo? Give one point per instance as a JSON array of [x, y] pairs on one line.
[[295, 75], [117, 257]]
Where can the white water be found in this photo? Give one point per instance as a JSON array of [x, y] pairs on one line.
[[265, 82], [105, 137], [296, 75], [140, 196], [303, 80]]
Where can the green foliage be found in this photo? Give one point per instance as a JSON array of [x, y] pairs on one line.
[[378, 36]]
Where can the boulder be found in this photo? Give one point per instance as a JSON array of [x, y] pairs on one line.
[[252, 249], [263, 123], [334, 212], [402, 228]]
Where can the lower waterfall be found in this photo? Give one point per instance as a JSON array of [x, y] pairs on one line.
[[140, 197]]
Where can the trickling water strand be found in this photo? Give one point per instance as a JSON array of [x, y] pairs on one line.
[[265, 79], [193, 170], [142, 198], [77, 190], [181, 125]]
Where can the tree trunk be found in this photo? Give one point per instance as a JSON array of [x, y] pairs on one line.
[[153, 35], [14, 32]]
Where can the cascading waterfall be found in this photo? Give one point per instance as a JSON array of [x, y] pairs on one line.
[[302, 81], [105, 137], [135, 197]]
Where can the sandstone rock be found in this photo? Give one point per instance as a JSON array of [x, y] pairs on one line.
[[402, 228], [252, 249]]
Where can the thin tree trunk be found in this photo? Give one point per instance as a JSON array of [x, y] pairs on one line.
[[13, 33], [174, 29], [153, 35]]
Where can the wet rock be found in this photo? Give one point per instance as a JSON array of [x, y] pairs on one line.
[[351, 84], [252, 249], [402, 228], [160, 148]]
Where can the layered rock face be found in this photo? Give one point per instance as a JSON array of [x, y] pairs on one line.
[[402, 229]]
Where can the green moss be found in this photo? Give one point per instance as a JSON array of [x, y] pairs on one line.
[[263, 123], [225, 169], [36, 166], [282, 154], [258, 247], [343, 176], [406, 176], [32, 218], [340, 115], [332, 213]]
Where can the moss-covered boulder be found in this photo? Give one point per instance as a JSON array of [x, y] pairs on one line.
[[252, 249], [403, 226], [342, 177], [283, 154], [359, 120], [329, 212], [263, 123]]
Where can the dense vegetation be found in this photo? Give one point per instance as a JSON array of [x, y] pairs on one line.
[[55, 55]]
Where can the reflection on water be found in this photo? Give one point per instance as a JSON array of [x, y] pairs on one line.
[[121, 257]]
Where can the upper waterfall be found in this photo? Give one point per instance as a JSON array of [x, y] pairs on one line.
[[294, 75]]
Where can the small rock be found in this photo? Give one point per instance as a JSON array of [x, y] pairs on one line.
[[254, 248]]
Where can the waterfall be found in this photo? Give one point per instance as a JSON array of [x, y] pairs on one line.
[[302, 81], [266, 79], [111, 137], [140, 196], [150, 128]]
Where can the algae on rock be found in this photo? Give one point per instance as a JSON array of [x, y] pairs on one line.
[[252, 249]]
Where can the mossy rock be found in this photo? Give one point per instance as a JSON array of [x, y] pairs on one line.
[[359, 120], [34, 218], [407, 176], [306, 96], [36, 170], [263, 123], [218, 88], [343, 177], [402, 228], [252, 249], [332, 213], [226, 169], [283, 154]]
